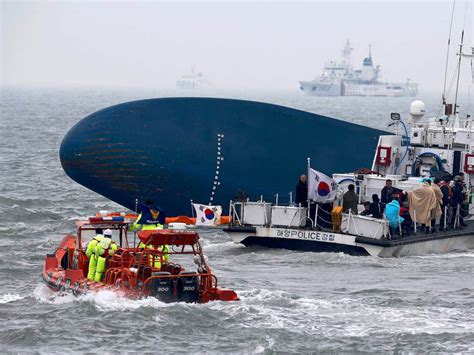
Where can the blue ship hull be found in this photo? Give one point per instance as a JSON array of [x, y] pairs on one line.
[[173, 150]]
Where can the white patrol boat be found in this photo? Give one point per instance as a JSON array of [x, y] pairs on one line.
[[339, 78], [439, 146]]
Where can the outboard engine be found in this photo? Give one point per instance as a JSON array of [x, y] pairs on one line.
[[188, 287], [163, 287]]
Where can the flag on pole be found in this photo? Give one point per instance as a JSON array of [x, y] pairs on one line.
[[151, 214], [207, 215], [321, 188]]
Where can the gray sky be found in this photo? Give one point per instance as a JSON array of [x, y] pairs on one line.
[[237, 45]]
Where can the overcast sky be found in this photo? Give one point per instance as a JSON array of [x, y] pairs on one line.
[[237, 45]]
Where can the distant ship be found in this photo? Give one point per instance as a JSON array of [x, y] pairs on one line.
[[340, 79], [192, 81]]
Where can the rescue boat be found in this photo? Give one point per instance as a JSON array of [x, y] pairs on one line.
[[131, 271]]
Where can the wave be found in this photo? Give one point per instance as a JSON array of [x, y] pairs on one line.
[[8, 297]]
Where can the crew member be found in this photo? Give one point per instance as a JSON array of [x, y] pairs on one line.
[[90, 253], [156, 261], [135, 226], [302, 192], [350, 200], [102, 249], [151, 226]]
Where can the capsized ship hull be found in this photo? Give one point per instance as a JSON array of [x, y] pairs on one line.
[[172, 150]]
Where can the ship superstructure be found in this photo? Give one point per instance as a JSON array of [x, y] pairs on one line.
[[341, 79]]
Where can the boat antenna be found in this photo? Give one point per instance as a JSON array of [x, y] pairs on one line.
[[447, 54], [461, 45]]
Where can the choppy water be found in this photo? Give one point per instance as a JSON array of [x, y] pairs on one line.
[[290, 301]]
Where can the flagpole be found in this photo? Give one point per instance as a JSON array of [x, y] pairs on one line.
[[308, 175], [308, 204]]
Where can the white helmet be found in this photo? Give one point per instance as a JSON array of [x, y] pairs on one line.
[[108, 233]]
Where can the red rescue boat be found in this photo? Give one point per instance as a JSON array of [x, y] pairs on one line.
[[131, 270]]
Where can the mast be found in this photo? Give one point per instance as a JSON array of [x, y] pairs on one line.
[[447, 54], [459, 72]]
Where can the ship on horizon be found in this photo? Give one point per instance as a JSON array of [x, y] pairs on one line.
[[194, 80], [340, 79]]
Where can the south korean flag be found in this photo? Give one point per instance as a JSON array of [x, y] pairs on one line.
[[207, 215]]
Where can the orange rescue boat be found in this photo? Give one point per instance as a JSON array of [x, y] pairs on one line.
[[131, 270]]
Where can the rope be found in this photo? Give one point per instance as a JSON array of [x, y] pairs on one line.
[[322, 219]]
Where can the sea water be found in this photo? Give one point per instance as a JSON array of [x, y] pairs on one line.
[[289, 301]]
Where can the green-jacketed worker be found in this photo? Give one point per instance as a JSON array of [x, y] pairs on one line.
[[135, 226], [98, 249], [90, 253], [157, 263]]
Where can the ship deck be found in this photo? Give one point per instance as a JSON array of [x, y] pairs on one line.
[[420, 236]]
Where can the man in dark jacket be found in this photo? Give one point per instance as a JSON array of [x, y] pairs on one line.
[[302, 192], [457, 201], [376, 208], [446, 202], [388, 191], [350, 200]]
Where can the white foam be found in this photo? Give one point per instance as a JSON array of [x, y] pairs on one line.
[[104, 300], [8, 297], [452, 255], [352, 316]]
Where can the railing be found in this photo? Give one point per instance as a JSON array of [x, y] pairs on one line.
[[362, 225]]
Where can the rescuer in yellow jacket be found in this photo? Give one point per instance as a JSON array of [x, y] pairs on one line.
[[90, 252], [136, 227], [157, 263], [98, 249], [147, 227]]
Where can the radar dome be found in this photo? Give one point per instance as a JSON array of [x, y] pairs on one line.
[[417, 108]]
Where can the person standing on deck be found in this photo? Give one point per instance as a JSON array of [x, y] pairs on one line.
[[90, 253], [350, 200], [446, 203], [436, 212], [149, 219], [457, 202], [144, 224], [102, 250], [302, 192]]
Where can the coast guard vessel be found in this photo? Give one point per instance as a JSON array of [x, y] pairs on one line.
[[439, 146], [340, 79]]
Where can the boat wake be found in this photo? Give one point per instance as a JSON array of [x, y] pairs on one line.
[[103, 300]]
